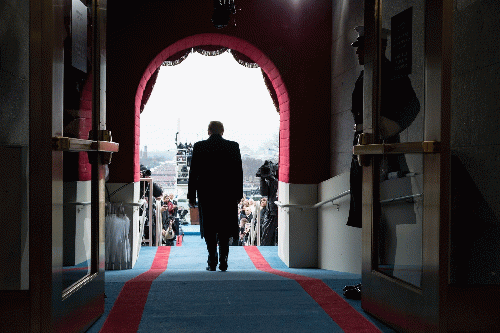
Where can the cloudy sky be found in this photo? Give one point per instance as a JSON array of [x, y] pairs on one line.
[[202, 89]]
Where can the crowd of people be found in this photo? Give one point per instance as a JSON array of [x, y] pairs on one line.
[[249, 212], [171, 213]]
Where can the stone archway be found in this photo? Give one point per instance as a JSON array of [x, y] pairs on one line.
[[248, 50]]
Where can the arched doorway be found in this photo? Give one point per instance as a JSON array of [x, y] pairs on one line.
[[244, 52]]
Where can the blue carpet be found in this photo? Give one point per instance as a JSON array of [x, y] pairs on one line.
[[187, 298]]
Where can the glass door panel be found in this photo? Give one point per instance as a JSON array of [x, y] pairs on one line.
[[77, 224], [399, 233], [401, 120], [77, 122]]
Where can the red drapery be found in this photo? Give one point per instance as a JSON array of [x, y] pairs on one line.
[[207, 50]]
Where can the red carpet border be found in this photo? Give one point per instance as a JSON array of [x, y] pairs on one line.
[[335, 306], [126, 314]]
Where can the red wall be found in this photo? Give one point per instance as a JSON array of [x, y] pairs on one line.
[[296, 38]]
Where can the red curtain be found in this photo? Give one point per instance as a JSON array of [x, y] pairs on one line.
[[207, 50], [149, 89]]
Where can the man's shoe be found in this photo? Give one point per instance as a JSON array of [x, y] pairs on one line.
[[212, 263], [223, 265]]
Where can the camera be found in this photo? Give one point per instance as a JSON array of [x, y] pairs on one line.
[[268, 174], [268, 170]]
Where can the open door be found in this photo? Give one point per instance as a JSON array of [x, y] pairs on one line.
[[430, 194], [81, 150], [403, 150]]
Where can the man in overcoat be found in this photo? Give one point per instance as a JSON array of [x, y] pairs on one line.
[[216, 176]]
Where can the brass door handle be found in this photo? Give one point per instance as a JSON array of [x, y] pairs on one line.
[[60, 143], [105, 148], [397, 148]]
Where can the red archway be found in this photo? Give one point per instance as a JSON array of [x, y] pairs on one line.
[[248, 50]]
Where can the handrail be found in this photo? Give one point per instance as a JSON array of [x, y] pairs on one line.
[[341, 195], [79, 203], [319, 204], [401, 198]]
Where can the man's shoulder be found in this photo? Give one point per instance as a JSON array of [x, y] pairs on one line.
[[234, 143], [199, 144]]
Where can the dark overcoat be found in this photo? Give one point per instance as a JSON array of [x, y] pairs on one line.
[[216, 176]]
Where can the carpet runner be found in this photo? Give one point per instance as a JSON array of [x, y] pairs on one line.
[[169, 290]]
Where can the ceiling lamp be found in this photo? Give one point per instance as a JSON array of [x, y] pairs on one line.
[[222, 11]]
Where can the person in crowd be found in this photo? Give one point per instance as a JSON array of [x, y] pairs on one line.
[[263, 203], [248, 213], [240, 205], [172, 199], [251, 203], [157, 193], [241, 213], [262, 214], [244, 231], [263, 208], [216, 178], [172, 212]]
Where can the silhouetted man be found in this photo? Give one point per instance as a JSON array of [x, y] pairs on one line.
[[216, 175]]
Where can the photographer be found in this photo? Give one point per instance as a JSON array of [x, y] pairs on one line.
[[268, 174]]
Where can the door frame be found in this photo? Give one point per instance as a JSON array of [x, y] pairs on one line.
[[401, 305]]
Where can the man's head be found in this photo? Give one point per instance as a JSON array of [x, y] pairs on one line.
[[215, 127], [360, 43]]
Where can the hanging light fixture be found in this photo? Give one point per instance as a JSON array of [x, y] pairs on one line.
[[222, 12]]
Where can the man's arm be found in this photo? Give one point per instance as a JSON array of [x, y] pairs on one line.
[[239, 177], [193, 177]]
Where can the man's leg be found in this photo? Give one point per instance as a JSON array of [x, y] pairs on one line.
[[223, 251], [211, 241]]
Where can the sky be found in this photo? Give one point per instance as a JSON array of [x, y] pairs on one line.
[[200, 89]]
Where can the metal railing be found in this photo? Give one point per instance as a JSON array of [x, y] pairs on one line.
[[319, 204], [142, 220], [343, 194]]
